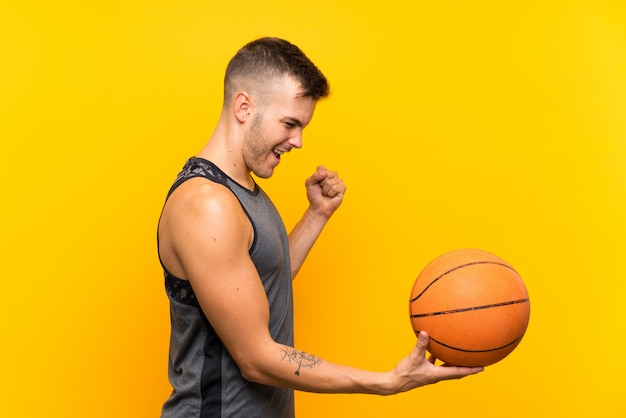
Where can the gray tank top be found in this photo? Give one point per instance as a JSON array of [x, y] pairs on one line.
[[205, 379]]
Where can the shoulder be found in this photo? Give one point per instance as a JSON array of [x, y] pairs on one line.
[[201, 195], [199, 206]]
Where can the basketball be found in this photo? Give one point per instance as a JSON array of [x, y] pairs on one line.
[[473, 305]]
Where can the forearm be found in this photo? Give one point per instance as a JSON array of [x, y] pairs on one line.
[[303, 237], [289, 367], [279, 365]]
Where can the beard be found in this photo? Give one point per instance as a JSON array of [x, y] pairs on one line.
[[256, 149]]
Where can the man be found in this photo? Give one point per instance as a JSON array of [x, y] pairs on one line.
[[229, 262]]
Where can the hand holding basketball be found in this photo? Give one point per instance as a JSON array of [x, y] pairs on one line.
[[416, 370]]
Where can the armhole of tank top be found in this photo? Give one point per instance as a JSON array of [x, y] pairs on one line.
[[254, 231]]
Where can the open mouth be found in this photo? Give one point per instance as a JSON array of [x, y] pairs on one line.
[[278, 153]]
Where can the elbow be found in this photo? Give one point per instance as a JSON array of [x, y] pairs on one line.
[[255, 361], [252, 372]]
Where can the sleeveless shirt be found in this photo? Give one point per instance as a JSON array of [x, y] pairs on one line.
[[206, 381]]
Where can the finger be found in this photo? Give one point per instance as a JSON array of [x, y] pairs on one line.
[[453, 372], [318, 177], [422, 343], [326, 176], [331, 182], [329, 186]]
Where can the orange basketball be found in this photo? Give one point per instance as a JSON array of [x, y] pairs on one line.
[[474, 306]]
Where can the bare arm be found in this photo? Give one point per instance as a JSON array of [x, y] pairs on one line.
[[205, 236], [316, 375], [325, 192]]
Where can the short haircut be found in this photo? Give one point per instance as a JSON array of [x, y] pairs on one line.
[[260, 62]]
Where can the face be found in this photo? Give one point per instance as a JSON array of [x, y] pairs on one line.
[[276, 128]]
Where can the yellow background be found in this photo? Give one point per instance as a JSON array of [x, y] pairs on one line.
[[488, 124]]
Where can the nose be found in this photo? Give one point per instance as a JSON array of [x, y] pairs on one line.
[[296, 139]]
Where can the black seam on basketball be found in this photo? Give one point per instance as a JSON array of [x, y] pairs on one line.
[[477, 351], [472, 308], [457, 268]]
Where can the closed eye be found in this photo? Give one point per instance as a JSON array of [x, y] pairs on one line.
[[291, 123]]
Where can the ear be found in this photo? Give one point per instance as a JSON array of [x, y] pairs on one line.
[[242, 105]]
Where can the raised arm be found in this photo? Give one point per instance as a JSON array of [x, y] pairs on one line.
[[205, 239], [325, 192]]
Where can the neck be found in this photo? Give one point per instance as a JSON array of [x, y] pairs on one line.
[[224, 152]]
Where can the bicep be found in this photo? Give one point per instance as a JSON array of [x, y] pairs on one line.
[[213, 249]]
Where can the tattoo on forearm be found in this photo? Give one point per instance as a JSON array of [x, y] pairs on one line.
[[301, 358]]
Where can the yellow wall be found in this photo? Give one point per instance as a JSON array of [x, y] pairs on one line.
[[489, 124]]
